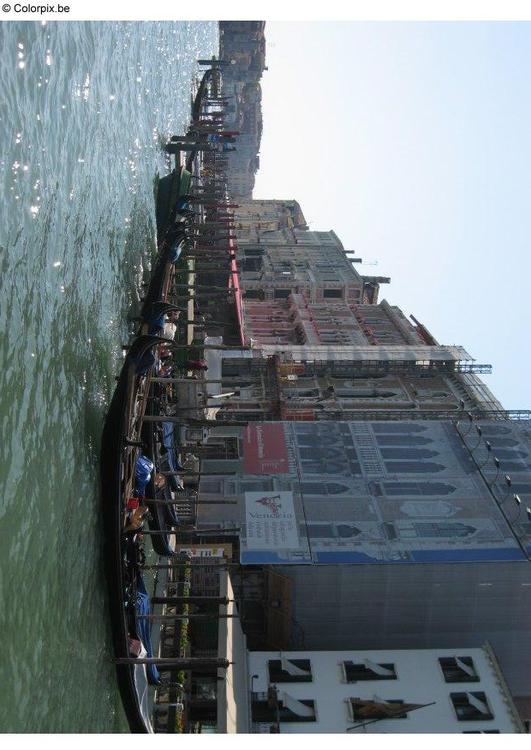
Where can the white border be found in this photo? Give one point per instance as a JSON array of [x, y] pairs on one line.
[[275, 10]]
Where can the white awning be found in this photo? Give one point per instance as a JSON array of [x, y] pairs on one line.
[[478, 704], [290, 668], [461, 664], [296, 707], [378, 669]]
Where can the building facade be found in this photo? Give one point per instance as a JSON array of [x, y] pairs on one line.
[[406, 532], [242, 48], [381, 692], [301, 261], [337, 382], [359, 464], [254, 219]]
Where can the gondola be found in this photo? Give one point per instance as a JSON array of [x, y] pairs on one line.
[[155, 291], [130, 441], [159, 519], [121, 550], [171, 190]]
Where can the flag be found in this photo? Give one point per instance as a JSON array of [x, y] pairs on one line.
[[380, 709]]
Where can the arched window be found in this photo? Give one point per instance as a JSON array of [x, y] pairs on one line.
[[406, 453], [414, 489], [405, 428], [345, 531], [521, 488], [503, 442], [399, 440], [325, 488], [334, 488], [516, 466], [443, 529], [325, 466], [510, 453], [495, 429], [319, 452], [313, 488], [363, 393], [413, 467]]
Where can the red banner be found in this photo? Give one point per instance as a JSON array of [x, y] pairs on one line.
[[264, 449]]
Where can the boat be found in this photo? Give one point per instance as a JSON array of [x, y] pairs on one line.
[[159, 520], [135, 450], [170, 199], [119, 452]]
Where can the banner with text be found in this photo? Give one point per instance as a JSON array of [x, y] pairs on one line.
[[264, 449]]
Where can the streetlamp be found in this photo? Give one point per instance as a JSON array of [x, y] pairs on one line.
[[470, 424], [488, 446], [498, 466], [478, 430], [518, 502], [508, 485]]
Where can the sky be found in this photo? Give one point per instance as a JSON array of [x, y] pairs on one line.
[[412, 141]]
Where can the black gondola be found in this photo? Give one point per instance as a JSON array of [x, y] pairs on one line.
[[120, 551], [126, 436], [158, 517]]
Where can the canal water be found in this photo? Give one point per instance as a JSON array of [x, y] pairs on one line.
[[84, 109]]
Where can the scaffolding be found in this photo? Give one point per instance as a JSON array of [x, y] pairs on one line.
[[477, 369], [415, 368], [474, 388], [426, 414]]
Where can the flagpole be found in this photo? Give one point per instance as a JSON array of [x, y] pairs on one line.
[[373, 721]]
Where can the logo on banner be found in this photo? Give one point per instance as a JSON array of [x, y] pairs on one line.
[[272, 503]]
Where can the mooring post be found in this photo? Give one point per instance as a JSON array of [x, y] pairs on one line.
[[175, 663]]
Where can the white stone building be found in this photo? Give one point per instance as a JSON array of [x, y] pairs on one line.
[[401, 691]]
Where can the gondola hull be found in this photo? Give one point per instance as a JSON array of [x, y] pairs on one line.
[[115, 433]]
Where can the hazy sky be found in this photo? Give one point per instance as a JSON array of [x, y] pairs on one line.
[[413, 142]]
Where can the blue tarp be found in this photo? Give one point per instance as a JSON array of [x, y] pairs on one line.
[[171, 456], [143, 625], [156, 324], [176, 248], [169, 444], [143, 469], [167, 435]]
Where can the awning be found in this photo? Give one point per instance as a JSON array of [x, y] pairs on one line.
[[292, 669], [296, 707], [378, 669]]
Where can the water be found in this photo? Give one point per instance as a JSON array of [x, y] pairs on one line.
[[84, 108]]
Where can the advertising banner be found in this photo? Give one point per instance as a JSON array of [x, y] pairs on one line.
[[270, 521], [264, 449]]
